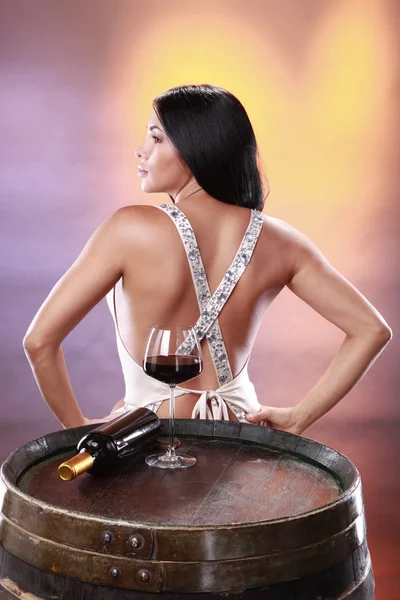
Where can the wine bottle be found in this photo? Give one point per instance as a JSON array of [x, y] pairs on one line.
[[100, 449]]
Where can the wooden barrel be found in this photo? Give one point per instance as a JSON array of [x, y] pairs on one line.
[[262, 515]]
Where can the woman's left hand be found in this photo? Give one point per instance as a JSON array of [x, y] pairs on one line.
[[283, 419]]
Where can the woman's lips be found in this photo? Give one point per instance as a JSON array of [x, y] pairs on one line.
[[142, 173]]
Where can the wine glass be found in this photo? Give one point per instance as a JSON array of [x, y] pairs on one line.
[[172, 355]]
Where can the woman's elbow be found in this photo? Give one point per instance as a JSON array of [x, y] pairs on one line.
[[387, 333], [34, 344], [382, 333], [376, 333], [30, 344]]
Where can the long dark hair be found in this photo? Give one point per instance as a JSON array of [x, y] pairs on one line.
[[212, 132]]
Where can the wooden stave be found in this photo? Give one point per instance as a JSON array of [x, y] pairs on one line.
[[15, 575], [207, 428], [176, 576]]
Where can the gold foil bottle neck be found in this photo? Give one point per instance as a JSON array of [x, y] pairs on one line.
[[76, 465]]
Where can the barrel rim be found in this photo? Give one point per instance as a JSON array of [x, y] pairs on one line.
[[108, 520], [341, 498]]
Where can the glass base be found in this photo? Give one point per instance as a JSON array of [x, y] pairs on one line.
[[166, 461]]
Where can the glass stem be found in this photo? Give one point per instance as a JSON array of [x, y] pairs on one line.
[[171, 449]]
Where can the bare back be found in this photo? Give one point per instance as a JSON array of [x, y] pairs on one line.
[[157, 285]]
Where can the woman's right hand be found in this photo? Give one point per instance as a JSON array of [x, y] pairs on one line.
[[113, 415], [117, 411], [92, 421]]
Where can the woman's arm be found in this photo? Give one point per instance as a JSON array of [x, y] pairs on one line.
[[316, 282], [93, 274]]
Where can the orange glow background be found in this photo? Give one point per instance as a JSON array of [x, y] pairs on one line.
[[320, 82]]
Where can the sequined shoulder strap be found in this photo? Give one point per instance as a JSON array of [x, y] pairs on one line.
[[210, 306]]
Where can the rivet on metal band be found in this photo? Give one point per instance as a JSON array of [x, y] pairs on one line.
[[144, 575], [114, 572], [106, 537], [135, 541]]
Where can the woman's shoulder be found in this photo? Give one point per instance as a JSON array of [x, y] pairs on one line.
[[282, 231], [134, 218], [291, 244], [138, 228], [135, 211]]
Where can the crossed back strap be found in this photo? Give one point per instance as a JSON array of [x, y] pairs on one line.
[[210, 306]]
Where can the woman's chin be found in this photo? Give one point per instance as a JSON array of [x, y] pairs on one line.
[[146, 187]]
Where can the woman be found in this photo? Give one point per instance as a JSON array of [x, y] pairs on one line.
[[201, 150]]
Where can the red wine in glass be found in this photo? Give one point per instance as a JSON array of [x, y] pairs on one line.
[[174, 368], [172, 355]]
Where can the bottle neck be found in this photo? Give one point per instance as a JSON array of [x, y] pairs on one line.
[[80, 463]]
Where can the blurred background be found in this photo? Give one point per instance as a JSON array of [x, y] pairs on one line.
[[320, 80]]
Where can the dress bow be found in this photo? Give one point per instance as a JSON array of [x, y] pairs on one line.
[[210, 405]]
